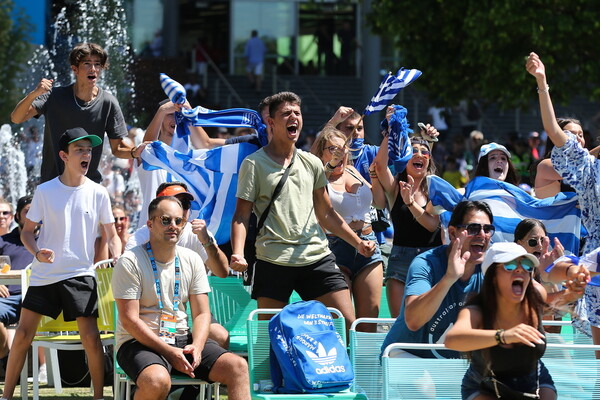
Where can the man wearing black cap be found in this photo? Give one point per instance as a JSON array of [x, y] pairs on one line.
[[69, 209], [82, 104]]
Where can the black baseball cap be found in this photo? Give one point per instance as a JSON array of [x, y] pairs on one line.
[[75, 134]]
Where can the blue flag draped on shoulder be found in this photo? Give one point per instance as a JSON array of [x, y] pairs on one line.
[[510, 205], [389, 88], [399, 146], [211, 176]]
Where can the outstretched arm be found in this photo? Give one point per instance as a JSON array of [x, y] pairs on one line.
[[536, 68]]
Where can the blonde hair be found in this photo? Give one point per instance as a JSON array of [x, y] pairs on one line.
[[326, 135]]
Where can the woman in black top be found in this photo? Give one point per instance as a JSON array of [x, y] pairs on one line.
[[501, 328]]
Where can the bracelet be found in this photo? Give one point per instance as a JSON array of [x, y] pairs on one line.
[[567, 271], [373, 174], [409, 205], [500, 337], [544, 91], [132, 151], [36, 253]]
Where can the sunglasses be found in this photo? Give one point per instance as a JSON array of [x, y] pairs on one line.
[[424, 153], [167, 221], [332, 149], [5, 212], [474, 229], [120, 219], [525, 263], [534, 242]]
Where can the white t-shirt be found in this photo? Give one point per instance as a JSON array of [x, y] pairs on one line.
[[149, 182], [70, 217], [187, 239], [133, 279]]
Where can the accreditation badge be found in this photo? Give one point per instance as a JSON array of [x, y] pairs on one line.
[[168, 328]]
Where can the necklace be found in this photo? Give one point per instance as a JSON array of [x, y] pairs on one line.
[[86, 104]]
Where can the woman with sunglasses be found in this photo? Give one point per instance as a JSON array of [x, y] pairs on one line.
[[416, 226], [531, 234], [581, 170], [121, 225], [351, 197], [500, 328]]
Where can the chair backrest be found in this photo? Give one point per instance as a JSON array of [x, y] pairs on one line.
[[230, 303], [421, 378], [259, 343], [574, 377], [365, 349]]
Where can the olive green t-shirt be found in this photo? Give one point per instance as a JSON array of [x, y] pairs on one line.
[[291, 235]]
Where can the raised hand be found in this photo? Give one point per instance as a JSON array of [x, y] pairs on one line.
[[43, 87], [457, 259], [535, 66], [407, 190]]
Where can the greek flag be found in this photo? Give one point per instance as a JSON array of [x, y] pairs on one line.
[[399, 146], [173, 89], [389, 88], [510, 205], [211, 176], [229, 118]]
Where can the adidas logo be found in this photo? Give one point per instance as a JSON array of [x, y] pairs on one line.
[[323, 357], [330, 369]]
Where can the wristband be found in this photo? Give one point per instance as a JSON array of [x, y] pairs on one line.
[[132, 151], [36, 253], [500, 337], [409, 205], [211, 241], [545, 90]]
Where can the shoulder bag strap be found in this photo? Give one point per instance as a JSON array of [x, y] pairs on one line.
[[284, 177]]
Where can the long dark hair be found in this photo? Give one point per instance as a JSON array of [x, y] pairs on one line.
[[487, 302]]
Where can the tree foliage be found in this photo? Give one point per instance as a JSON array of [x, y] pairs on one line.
[[477, 49], [14, 49]]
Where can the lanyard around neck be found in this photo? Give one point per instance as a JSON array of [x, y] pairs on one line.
[[157, 280]]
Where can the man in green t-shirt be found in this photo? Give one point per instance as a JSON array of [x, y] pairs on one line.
[[291, 246]]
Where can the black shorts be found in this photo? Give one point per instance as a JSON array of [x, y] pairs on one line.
[[76, 297], [134, 357], [310, 281]]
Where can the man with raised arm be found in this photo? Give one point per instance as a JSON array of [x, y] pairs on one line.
[[82, 104]]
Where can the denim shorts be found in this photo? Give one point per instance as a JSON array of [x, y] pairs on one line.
[[471, 383], [400, 260], [347, 256]]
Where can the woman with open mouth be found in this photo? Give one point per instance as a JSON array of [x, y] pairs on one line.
[[501, 330], [494, 162], [416, 225]]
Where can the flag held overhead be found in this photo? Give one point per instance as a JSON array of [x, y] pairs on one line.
[[389, 88]]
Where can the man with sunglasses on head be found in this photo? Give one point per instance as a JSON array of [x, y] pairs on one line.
[[194, 236], [152, 284], [439, 281]]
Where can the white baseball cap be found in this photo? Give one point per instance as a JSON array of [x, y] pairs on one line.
[[502, 252], [488, 148]]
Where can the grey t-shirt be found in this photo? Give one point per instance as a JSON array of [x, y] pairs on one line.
[[62, 112]]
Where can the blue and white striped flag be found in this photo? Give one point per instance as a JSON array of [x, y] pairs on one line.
[[211, 176], [510, 205], [228, 118], [399, 146], [173, 89], [389, 88]]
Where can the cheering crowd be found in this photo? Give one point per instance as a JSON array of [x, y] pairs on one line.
[[307, 220]]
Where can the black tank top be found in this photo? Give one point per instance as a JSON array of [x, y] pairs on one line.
[[510, 362], [408, 232]]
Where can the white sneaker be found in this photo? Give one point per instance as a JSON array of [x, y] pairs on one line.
[[43, 375]]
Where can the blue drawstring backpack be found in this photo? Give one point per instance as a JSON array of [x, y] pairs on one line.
[[307, 353]]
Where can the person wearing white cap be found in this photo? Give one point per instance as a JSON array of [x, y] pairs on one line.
[[501, 329], [494, 162]]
